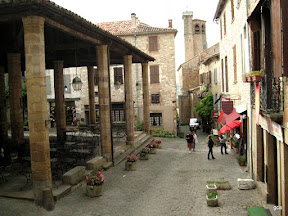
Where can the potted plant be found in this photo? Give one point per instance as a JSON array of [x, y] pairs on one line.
[[152, 145], [158, 141], [212, 199], [241, 160], [144, 154], [256, 75], [94, 183], [211, 188], [130, 164], [245, 77]]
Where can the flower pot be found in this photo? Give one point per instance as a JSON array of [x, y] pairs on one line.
[[94, 190], [241, 163], [144, 156], [159, 145], [212, 202], [152, 150], [130, 166], [256, 78], [211, 188], [249, 79]]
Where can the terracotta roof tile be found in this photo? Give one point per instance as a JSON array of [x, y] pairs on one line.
[[124, 27]]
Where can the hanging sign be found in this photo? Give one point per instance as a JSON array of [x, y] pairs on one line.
[[227, 107]]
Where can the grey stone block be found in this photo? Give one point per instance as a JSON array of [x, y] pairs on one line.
[[74, 176], [96, 163], [246, 184]]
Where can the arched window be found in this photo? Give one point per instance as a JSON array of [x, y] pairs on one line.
[[197, 29], [203, 29]]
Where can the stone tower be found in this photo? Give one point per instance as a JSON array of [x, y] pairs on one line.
[[194, 35]]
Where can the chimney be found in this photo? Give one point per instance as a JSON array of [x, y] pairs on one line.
[[133, 20], [170, 23]]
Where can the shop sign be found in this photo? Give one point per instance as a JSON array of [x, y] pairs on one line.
[[272, 127], [227, 107]]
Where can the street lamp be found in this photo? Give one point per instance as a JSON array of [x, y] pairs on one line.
[[77, 83]]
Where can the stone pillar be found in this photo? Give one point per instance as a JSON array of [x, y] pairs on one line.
[[146, 101], [15, 98], [271, 168], [129, 108], [92, 113], [60, 112], [37, 105], [104, 101], [3, 111]]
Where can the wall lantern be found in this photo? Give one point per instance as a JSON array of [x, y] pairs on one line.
[[77, 83]]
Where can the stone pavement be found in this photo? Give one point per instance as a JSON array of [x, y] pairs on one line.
[[172, 182]]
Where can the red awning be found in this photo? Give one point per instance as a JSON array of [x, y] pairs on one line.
[[230, 126], [225, 119]]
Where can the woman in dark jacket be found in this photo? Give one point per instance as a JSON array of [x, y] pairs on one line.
[[210, 145]]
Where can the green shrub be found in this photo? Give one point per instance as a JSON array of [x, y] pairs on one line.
[[139, 126], [212, 195], [241, 159], [162, 133]]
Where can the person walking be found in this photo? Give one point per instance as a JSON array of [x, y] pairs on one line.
[[210, 145], [195, 139], [189, 138], [222, 139]]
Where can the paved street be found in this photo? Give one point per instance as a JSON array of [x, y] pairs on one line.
[[172, 182]]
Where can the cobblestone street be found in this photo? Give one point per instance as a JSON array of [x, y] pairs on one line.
[[171, 182]]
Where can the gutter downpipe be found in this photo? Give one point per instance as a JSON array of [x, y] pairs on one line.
[[112, 145], [137, 77], [251, 150]]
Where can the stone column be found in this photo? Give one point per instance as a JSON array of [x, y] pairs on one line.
[[60, 113], [271, 168], [37, 105], [3, 111], [104, 101], [92, 113], [15, 98], [129, 108], [146, 101]]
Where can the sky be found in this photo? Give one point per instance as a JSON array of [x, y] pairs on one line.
[[155, 13]]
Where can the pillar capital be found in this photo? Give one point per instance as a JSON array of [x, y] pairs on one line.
[[33, 20]]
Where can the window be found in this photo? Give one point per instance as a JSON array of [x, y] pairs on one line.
[[215, 75], [201, 78], [155, 119], [155, 98], [154, 74], [67, 83], [203, 29], [96, 77], [222, 73], [153, 43], [224, 24], [226, 73], [220, 28], [197, 29], [232, 10], [118, 112], [209, 77], [48, 85], [235, 64], [96, 94], [118, 77]]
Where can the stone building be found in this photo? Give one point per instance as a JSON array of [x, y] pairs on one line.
[[266, 119], [159, 43]]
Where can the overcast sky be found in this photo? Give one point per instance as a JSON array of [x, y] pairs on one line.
[[152, 12]]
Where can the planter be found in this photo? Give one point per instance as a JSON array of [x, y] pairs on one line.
[[211, 188], [130, 166], [152, 150], [256, 78], [94, 190], [212, 202], [241, 163], [159, 145], [249, 79], [144, 156]]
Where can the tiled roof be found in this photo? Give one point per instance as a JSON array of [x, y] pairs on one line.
[[124, 27]]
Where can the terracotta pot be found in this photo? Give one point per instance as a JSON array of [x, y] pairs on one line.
[[130, 166], [241, 163], [249, 79], [94, 190], [256, 78]]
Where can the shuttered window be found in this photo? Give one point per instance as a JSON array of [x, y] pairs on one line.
[[226, 73], [220, 28], [155, 98], [222, 73], [197, 29], [67, 84], [155, 119], [209, 77], [48, 85], [235, 63], [215, 75], [118, 75], [153, 43], [232, 10], [154, 74], [224, 24], [96, 82]]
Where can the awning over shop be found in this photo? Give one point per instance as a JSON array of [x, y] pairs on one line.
[[230, 126], [241, 108]]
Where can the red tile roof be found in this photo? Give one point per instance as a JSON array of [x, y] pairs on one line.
[[124, 28]]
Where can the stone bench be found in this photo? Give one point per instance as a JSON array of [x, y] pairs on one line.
[[246, 184], [74, 176], [96, 163]]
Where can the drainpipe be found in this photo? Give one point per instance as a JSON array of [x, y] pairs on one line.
[[251, 150], [112, 145], [137, 78]]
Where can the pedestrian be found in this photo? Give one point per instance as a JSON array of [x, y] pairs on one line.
[[210, 145], [189, 138], [222, 139], [195, 139]]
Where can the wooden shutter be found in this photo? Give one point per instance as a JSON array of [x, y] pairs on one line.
[[235, 63], [154, 74], [222, 73], [209, 77], [215, 75], [153, 43], [232, 10], [226, 73], [118, 75], [220, 28], [224, 24]]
